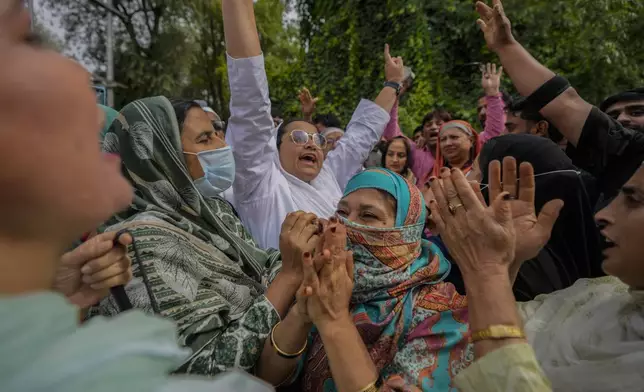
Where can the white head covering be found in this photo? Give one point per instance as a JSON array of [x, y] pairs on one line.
[[331, 130], [456, 125]]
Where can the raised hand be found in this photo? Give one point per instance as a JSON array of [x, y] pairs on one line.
[[86, 274], [307, 102], [479, 238], [491, 79], [394, 67], [532, 232], [495, 25], [300, 234]]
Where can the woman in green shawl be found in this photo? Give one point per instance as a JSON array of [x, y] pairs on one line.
[[196, 263]]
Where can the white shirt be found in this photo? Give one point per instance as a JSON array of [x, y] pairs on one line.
[[264, 192]]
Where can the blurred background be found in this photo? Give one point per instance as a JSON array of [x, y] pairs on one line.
[[334, 47]]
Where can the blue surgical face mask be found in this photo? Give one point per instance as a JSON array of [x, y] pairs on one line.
[[219, 168]]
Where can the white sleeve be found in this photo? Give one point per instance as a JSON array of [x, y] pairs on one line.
[[362, 134], [250, 132]]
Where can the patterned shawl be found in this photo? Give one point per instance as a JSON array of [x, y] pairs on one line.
[[110, 116], [197, 264], [414, 324]]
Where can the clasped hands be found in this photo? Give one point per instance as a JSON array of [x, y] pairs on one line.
[[314, 253]]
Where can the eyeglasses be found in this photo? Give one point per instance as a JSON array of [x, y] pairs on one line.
[[576, 172], [300, 138]]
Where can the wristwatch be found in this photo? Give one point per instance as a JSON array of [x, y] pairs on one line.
[[395, 86]]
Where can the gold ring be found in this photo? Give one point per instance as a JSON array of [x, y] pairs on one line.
[[452, 208]]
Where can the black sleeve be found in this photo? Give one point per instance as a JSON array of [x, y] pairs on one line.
[[608, 151]]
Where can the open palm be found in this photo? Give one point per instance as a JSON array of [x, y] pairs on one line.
[[496, 27], [532, 231]]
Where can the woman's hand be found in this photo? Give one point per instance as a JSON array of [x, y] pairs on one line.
[[300, 234], [480, 239], [495, 25], [491, 79], [86, 274], [325, 296], [307, 102], [532, 232]]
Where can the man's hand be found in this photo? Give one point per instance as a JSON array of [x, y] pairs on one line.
[[307, 102], [86, 274], [495, 25], [394, 67], [491, 79]]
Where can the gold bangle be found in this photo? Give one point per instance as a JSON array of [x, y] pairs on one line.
[[282, 353], [370, 388], [498, 332]]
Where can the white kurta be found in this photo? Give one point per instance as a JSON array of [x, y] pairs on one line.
[[264, 192]]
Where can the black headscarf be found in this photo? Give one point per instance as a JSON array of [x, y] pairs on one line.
[[574, 249]]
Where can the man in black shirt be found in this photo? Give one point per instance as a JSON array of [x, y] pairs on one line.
[[602, 146]]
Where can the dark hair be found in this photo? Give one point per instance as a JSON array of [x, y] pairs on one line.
[[281, 129], [276, 111], [181, 108], [521, 108], [328, 120], [409, 162], [625, 96], [419, 129], [438, 113]]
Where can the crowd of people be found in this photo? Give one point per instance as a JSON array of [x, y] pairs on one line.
[[189, 254]]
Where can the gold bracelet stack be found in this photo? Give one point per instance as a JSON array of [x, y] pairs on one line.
[[284, 354], [498, 332]]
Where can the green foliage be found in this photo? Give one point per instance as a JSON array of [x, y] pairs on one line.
[[176, 48], [592, 42]]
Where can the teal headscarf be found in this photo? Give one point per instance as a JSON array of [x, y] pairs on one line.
[[110, 116], [414, 324], [395, 185]]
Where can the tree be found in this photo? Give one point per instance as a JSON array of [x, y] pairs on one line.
[[173, 47], [150, 39], [176, 48], [441, 41]]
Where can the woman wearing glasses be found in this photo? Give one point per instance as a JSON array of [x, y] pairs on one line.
[[282, 169]]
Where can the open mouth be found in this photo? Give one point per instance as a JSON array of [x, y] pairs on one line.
[[309, 159], [607, 243]]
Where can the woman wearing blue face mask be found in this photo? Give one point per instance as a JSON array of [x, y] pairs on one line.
[[194, 262]]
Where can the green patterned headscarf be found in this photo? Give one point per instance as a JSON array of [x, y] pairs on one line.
[[197, 265], [110, 116]]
